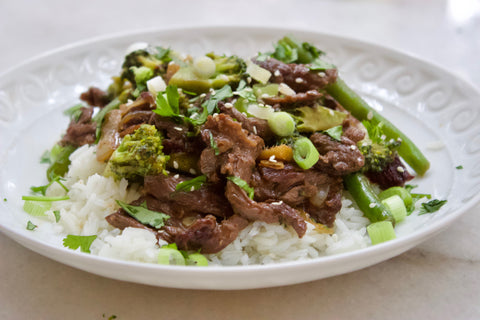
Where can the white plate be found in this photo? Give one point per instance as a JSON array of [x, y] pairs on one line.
[[428, 103]]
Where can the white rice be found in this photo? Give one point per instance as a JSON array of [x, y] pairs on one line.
[[92, 198]]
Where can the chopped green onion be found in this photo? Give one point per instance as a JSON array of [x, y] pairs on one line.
[[381, 231], [282, 124], [213, 144], [304, 153], [42, 198], [37, 208], [170, 256], [243, 184], [399, 191], [396, 206], [196, 259]]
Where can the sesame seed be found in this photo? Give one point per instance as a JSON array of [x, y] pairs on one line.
[[383, 137], [277, 73], [192, 188], [321, 74], [353, 147], [331, 112], [212, 91], [400, 169], [192, 171], [298, 80], [176, 176], [175, 164], [228, 105], [203, 95], [372, 205], [255, 129], [261, 105], [178, 128], [265, 95], [277, 203], [272, 159], [370, 115], [249, 79]]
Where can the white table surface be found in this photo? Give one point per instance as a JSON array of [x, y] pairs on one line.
[[440, 279]]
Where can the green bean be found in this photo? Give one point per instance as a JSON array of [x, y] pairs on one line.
[[367, 200], [351, 101]]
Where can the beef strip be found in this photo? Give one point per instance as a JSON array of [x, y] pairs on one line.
[[237, 149], [269, 212], [337, 157], [95, 97], [208, 199], [82, 131], [297, 76], [253, 125], [297, 100], [394, 174]]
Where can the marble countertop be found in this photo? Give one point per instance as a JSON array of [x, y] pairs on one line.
[[439, 279]]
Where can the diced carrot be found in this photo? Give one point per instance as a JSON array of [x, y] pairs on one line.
[[281, 152]]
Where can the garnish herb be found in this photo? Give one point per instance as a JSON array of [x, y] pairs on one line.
[[320, 65], [245, 92], [168, 107], [43, 189], [210, 105], [83, 242], [31, 226], [459, 167], [57, 215], [192, 184], [46, 199], [144, 215], [213, 144], [242, 184], [74, 112], [335, 132], [431, 206]]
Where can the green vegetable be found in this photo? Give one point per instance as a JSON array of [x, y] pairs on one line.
[[335, 133], [31, 226], [57, 215], [351, 101], [260, 90], [318, 118], [141, 75], [37, 208], [168, 102], [243, 184], [59, 161], [459, 167], [151, 58], [83, 242], [431, 206], [213, 144], [43, 189], [228, 70], [396, 207], [170, 256], [381, 231], [46, 199], [138, 155], [192, 184], [361, 190], [289, 50], [403, 193], [304, 153], [377, 150], [74, 112], [144, 215], [245, 92], [211, 105], [196, 259], [281, 123]]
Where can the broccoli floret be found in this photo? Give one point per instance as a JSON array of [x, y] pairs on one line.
[[378, 151], [214, 72], [154, 59], [138, 155]]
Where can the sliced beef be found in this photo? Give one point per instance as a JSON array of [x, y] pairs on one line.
[[297, 76], [272, 212], [95, 97], [253, 125], [82, 131], [297, 100], [208, 199], [395, 174], [231, 150], [327, 201], [337, 157], [205, 234]]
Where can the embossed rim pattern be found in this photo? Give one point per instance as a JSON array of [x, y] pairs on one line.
[[446, 106]]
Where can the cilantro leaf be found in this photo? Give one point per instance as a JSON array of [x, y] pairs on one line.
[[169, 106], [192, 184], [432, 206], [242, 184], [320, 65], [210, 105], [31, 226], [74, 112], [459, 167], [57, 215], [335, 132], [213, 144], [83, 242], [144, 215]]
